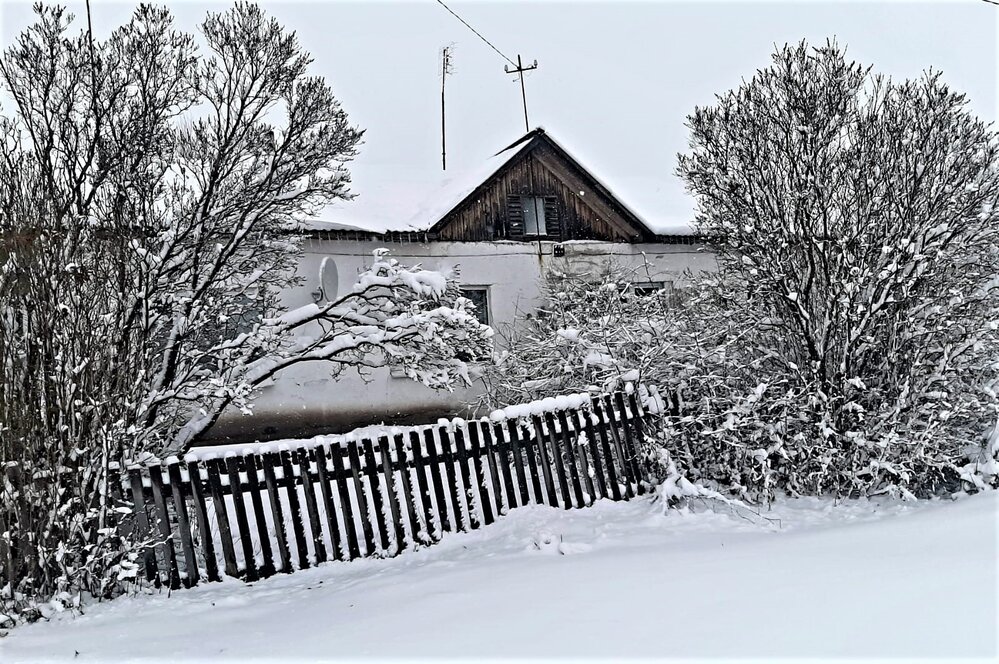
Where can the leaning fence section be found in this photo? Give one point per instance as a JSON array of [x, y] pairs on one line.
[[278, 508]]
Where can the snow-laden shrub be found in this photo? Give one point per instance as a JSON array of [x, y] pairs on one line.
[[848, 342], [740, 416]]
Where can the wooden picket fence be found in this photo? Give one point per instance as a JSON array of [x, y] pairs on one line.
[[270, 511]]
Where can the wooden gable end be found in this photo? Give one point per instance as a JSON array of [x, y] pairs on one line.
[[542, 186]]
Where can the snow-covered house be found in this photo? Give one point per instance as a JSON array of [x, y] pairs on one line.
[[530, 207]]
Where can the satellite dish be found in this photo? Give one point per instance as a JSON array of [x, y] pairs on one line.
[[329, 279]]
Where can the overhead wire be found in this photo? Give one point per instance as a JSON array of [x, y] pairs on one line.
[[477, 33]]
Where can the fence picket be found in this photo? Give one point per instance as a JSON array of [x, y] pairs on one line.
[[407, 490], [516, 434], [163, 521], [191, 575], [582, 452], [494, 474], [623, 453], [466, 475], [319, 454], [638, 422], [311, 506], [434, 463], [349, 527], [270, 461], [242, 523], [480, 477], [421, 479], [142, 525], [201, 511], [504, 457], [362, 502], [569, 447], [388, 473], [371, 469], [609, 423], [629, 443], [518, 462], [295, 508], [449, 459], [563, 480], [605, 447], [248, 464], [598, 466], [221, 516], [545, 460]]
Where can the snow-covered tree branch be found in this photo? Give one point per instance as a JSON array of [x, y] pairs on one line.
[[150, 188]]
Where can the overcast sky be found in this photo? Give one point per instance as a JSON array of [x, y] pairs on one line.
[[614, 84]]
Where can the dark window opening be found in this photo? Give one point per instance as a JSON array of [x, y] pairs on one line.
[[479, 296]]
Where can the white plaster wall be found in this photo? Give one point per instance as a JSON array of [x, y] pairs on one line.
[[305, 401]]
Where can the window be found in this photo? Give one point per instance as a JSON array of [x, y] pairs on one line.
[[647, 287], [665, 290], [479, 296], [534, 215]]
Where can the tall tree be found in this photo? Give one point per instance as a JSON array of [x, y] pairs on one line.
[[150, 184], [855, 220]]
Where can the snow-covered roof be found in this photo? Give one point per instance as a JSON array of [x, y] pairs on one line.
[[404, 200]]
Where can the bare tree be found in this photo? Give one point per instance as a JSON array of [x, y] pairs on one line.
[[150, 189]]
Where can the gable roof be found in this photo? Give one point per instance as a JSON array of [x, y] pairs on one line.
[[415, 202], [513, 154]]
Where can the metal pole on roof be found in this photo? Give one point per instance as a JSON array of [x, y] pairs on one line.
[[447, 67], [520, 69]]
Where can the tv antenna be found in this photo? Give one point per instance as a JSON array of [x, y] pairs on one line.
[[520, 69], [447, 67]]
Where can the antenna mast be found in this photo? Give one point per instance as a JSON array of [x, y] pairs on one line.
[[520, 69], [447, 67]]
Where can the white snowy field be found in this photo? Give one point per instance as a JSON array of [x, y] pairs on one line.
[[857, 579]]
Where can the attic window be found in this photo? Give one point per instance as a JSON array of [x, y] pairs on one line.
[[534, 215]]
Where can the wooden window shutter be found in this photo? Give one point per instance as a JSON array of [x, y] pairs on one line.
[[553, 224], [514, 217]]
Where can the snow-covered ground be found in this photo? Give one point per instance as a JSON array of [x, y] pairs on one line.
[[857, 579]]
